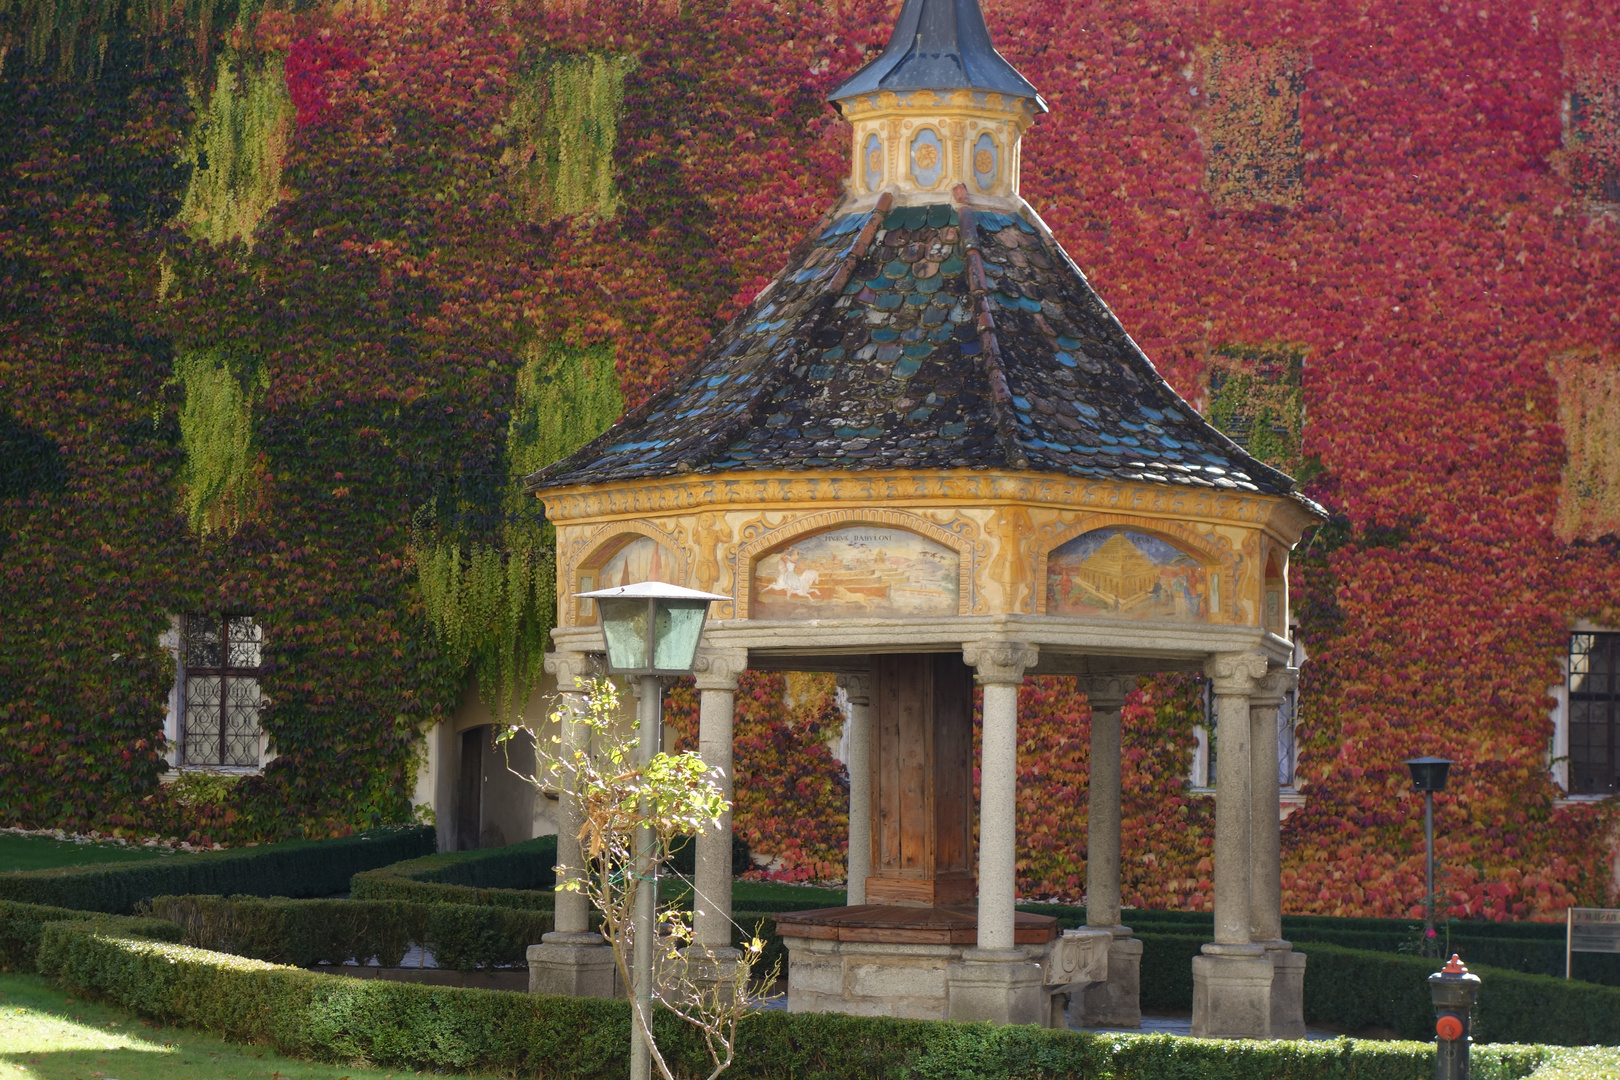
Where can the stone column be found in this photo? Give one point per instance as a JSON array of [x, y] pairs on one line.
[[858, 689], [717, 673], [1265, 866], [1232, 979], [571, 960], [995, 981], [1116, 1002]]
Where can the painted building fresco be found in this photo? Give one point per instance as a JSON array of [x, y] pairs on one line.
[[642, 559], [862, 571], [1126, 574]]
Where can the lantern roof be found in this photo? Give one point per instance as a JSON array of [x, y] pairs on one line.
[[939, 45]]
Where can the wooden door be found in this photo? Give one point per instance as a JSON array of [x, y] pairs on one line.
[[922, 780]]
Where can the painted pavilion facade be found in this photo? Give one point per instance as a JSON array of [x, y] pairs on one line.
[[927, 456]]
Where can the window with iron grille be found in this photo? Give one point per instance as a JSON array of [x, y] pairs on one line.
[[1594, 713], [220, 656]]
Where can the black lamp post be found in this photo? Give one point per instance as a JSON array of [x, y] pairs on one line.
[[1428, 776], [651, 631]]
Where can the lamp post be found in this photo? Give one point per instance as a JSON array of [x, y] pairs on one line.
[[1428, 776], [651, 631]]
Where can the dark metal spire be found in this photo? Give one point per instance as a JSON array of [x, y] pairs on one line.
[[939, 45]]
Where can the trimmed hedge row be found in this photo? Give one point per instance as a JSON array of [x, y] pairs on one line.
[[294, 868], [400, 1025], [519, 876], [1352, 989], [1536, 948], [21, 924], [308, 932]]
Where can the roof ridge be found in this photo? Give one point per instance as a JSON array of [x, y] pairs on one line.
[[1226, 442], [676, 381], [749, 415], [990, 351]]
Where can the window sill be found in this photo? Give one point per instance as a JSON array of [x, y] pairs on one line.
[[1579, 800], [175, 772], [1288, 800]]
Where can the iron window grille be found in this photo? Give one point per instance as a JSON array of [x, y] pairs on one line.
[[221, 655], [1594, 713]]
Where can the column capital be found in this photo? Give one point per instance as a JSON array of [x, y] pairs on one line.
[[1274, 686], [1236, 673], [1105, 693], [1000, 662], [569, 667], [719, 669], [857, 686]]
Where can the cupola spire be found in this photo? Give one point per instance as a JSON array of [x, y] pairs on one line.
[[939, 107]]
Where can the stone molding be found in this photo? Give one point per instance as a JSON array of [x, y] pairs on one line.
[[717, 669], [1281, 514], [1106, 693], [1000, 662], [857, 687], [1236, 674], [1184, 645]]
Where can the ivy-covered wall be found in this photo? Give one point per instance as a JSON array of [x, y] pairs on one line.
[[282, 344]]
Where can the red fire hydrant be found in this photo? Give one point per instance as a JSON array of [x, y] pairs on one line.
[[1454, 993]]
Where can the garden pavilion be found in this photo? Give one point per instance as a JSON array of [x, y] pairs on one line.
[[927, 455]]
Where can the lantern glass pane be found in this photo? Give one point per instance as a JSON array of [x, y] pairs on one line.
[[676, 633], [624, 625]]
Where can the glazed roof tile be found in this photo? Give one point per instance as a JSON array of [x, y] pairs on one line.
[[922, 337]]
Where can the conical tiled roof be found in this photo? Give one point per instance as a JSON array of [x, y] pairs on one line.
[[922, 337]]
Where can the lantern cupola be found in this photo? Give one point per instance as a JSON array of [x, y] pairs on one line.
[[939, 107]]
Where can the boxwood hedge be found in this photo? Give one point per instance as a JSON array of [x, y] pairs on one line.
[[309, 932], [293, 868], [411, 1026]]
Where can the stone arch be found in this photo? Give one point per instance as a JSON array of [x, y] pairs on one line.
[[604, 545], [1155, 584], [812, 525]]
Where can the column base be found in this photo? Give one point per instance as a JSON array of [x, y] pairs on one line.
[[1287, 990], [1118, 1001], [1232, 992], [710, 967], [998, 985], [573, 965]]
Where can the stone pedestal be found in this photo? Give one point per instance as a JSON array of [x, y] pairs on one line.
[[921, 963], [999, 985], [1232, 992], [1117, 1001], [1287, 990], [573, 965]]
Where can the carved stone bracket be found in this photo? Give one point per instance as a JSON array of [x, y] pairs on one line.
[[856, 687], [569, 668], [1274, 687], [719, 669], [1105, 693], [1000, 662], [1236, 674]]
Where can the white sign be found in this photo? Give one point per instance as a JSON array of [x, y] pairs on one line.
[[1590, 930]]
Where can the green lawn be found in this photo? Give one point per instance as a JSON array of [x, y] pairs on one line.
[[744, 891], [47, 1035], [39, 852]]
